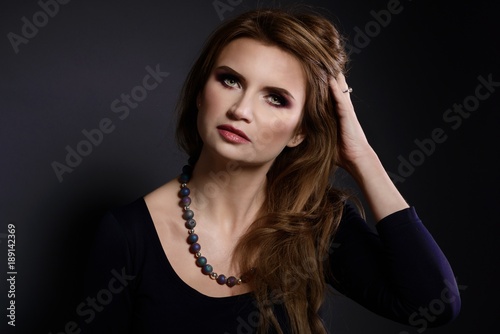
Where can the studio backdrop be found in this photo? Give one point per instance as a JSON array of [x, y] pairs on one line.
[[87, 116]]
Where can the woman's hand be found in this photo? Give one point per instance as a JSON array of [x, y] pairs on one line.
[[358, 158], [353, 145]]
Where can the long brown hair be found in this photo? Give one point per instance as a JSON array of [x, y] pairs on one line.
[[301, 211]]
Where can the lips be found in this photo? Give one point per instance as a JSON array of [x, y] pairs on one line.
[[225, 128]]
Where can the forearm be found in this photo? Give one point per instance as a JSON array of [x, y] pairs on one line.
[[382, 195]]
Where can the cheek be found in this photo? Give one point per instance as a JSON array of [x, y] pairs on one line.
[[207, 105], [212, 97], [278, 132]]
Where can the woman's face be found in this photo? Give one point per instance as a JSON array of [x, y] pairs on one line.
[[252, 103]]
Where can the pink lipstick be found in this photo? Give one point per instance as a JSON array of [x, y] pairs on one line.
[[233, 135]]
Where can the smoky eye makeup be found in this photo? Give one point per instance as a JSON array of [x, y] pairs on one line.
[[228, 77], [276, 96], [277, 99], [228, 80]]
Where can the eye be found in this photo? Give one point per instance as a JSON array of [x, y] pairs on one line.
[[277, 100], [229, 81]]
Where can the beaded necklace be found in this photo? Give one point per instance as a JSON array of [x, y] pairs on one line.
[[192, 239]]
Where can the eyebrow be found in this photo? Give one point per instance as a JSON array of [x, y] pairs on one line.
[[242, 78]]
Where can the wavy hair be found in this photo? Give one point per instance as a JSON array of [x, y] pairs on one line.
[[291, 237]]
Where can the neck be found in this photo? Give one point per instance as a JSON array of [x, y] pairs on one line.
[[227, 194]]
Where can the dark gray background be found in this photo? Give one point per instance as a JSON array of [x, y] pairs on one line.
[[65, 78]]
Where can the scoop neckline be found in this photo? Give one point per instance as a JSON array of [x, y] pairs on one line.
[[168, 266]]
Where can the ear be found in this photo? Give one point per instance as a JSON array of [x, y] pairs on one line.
[[296, 140]]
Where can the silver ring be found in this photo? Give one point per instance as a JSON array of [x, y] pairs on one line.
[[348, 90]]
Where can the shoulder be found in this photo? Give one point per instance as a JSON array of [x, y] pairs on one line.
[[130, 216], [134, 216], [125, 226], [119, 238], [162, 202]]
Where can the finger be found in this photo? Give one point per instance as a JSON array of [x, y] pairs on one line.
[[334, 85], [342, 82], [339, 87]]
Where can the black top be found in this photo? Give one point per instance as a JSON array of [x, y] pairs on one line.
[[132, 288]]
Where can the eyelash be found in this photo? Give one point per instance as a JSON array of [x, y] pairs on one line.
[[224, 78], [281, 101]]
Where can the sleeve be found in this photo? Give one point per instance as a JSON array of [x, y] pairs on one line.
[[108, 282], [399, 273]]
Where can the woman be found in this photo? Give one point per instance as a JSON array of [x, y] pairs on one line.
[[266, 118]]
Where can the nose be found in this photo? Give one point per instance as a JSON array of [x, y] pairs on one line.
[[242, 109]]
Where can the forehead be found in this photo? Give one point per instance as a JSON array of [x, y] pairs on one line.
[[263, 63]]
